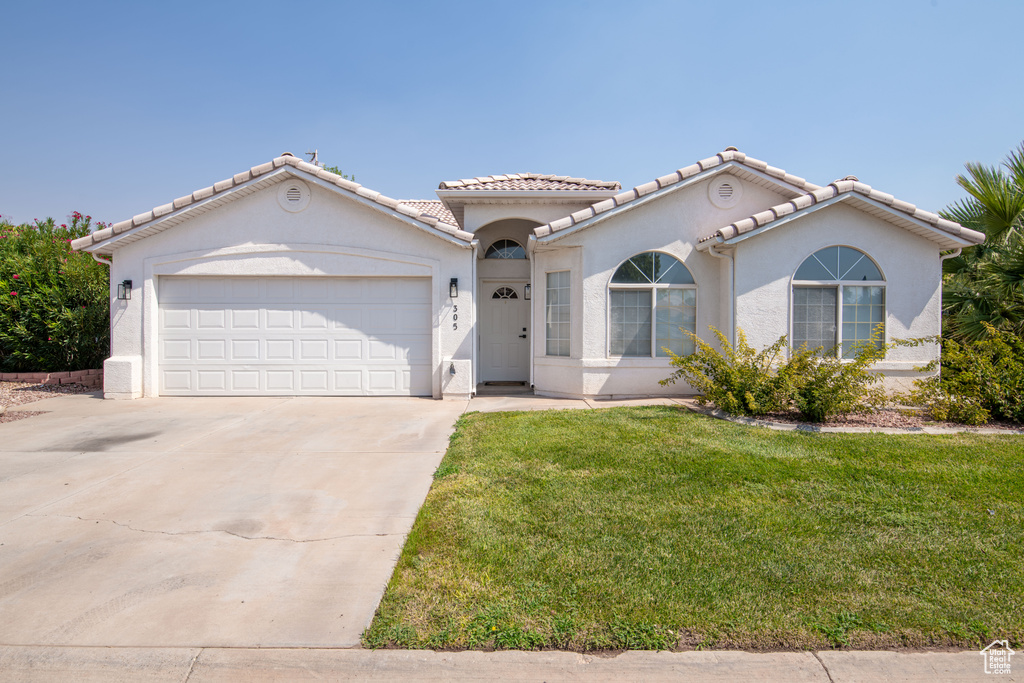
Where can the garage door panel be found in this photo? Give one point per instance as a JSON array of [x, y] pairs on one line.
[[348, 349], [245, 319], [176, 380], [245, 289], [175, 349], [212, 349], [280, 349], [176, 319], [313, 349], [211, 380], [277, 319], [245, 381], [245, 349], [280, 289], [292, 336]]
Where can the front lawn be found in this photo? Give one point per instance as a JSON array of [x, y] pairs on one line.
[[655, 528]]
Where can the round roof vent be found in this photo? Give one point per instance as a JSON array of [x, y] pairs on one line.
[[293, 195], [725, 192]]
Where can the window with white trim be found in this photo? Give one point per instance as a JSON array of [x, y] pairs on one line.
[[652, 301], [838, 301], [556, 313]]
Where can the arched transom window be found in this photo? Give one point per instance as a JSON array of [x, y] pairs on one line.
[[838, 301], [652, 299], [505, 293], [505, 249]]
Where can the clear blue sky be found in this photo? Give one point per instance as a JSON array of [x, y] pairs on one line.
[[114, 108]]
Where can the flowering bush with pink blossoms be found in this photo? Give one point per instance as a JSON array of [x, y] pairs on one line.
[[54, 302]]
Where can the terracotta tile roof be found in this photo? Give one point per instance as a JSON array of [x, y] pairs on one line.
[[264, 171], [851, 187], [528, 181], [729, 156], [432, 207]]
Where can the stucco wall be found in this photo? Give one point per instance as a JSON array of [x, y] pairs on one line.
[[479, 215], [910, 264], [672, 224], [332, 236]]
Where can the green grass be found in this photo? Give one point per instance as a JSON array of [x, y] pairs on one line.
[[654, 528]]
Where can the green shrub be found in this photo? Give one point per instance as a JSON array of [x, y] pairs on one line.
[[743, 381], [740, 381], [979, 380], [54, 302], [826, 385]]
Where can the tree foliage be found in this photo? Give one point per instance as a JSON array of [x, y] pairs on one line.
[[984, 285], [54, 302]]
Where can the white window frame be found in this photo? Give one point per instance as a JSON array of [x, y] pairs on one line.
[[652, 287], [838, 285], [547, 306]]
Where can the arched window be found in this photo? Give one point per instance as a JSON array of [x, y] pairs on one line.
[[652, 298], [505, 293], [505, 249], [838, 301]]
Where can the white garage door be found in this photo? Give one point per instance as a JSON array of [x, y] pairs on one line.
[[294, 336]]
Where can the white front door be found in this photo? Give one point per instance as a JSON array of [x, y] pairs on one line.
[[504, 338]]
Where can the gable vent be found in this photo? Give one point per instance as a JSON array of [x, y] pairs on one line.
[[293, 195], [725, 192]]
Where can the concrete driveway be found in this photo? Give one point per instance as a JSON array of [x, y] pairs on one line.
[[207, 522]]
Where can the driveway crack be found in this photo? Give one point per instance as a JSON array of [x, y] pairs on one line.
[[192, 666], [827, 672], [217, 531]]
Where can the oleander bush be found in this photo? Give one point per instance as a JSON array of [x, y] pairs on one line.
[[54, 302], [743, 381], [979, 380]]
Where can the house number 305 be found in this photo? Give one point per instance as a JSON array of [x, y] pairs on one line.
[[455, 317]]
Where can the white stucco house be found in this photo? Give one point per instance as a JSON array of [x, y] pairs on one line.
[[289, 280]]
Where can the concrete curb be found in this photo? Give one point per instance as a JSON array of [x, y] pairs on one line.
[[791, 427], [209, 665]]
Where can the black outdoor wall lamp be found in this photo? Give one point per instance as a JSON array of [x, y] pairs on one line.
[[124, 290], [453, 288], [526, 292]]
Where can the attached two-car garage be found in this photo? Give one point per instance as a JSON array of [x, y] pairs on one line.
[[292, 336]]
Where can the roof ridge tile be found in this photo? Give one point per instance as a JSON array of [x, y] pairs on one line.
[[837, 189], [255, 172]]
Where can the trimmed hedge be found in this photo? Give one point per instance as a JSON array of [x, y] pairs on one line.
[[54, 302]]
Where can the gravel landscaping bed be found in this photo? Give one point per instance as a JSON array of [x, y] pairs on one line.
[[890, 418], [19, 393]]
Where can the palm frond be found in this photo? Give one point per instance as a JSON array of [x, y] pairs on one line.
[[999, 194]]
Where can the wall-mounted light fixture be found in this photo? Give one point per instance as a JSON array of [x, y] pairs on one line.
[[453, 288], [124, 290], [526, 291], [451, 369]]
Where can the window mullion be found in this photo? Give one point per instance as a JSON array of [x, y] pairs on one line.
[[839, 320], [654, 321]]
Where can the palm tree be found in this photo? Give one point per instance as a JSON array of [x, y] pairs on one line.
[[985, 284]]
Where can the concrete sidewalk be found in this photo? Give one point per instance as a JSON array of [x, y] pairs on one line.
[[208, 665]]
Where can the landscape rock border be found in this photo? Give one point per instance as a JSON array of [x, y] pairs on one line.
[[88, 378], [719, 414]]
